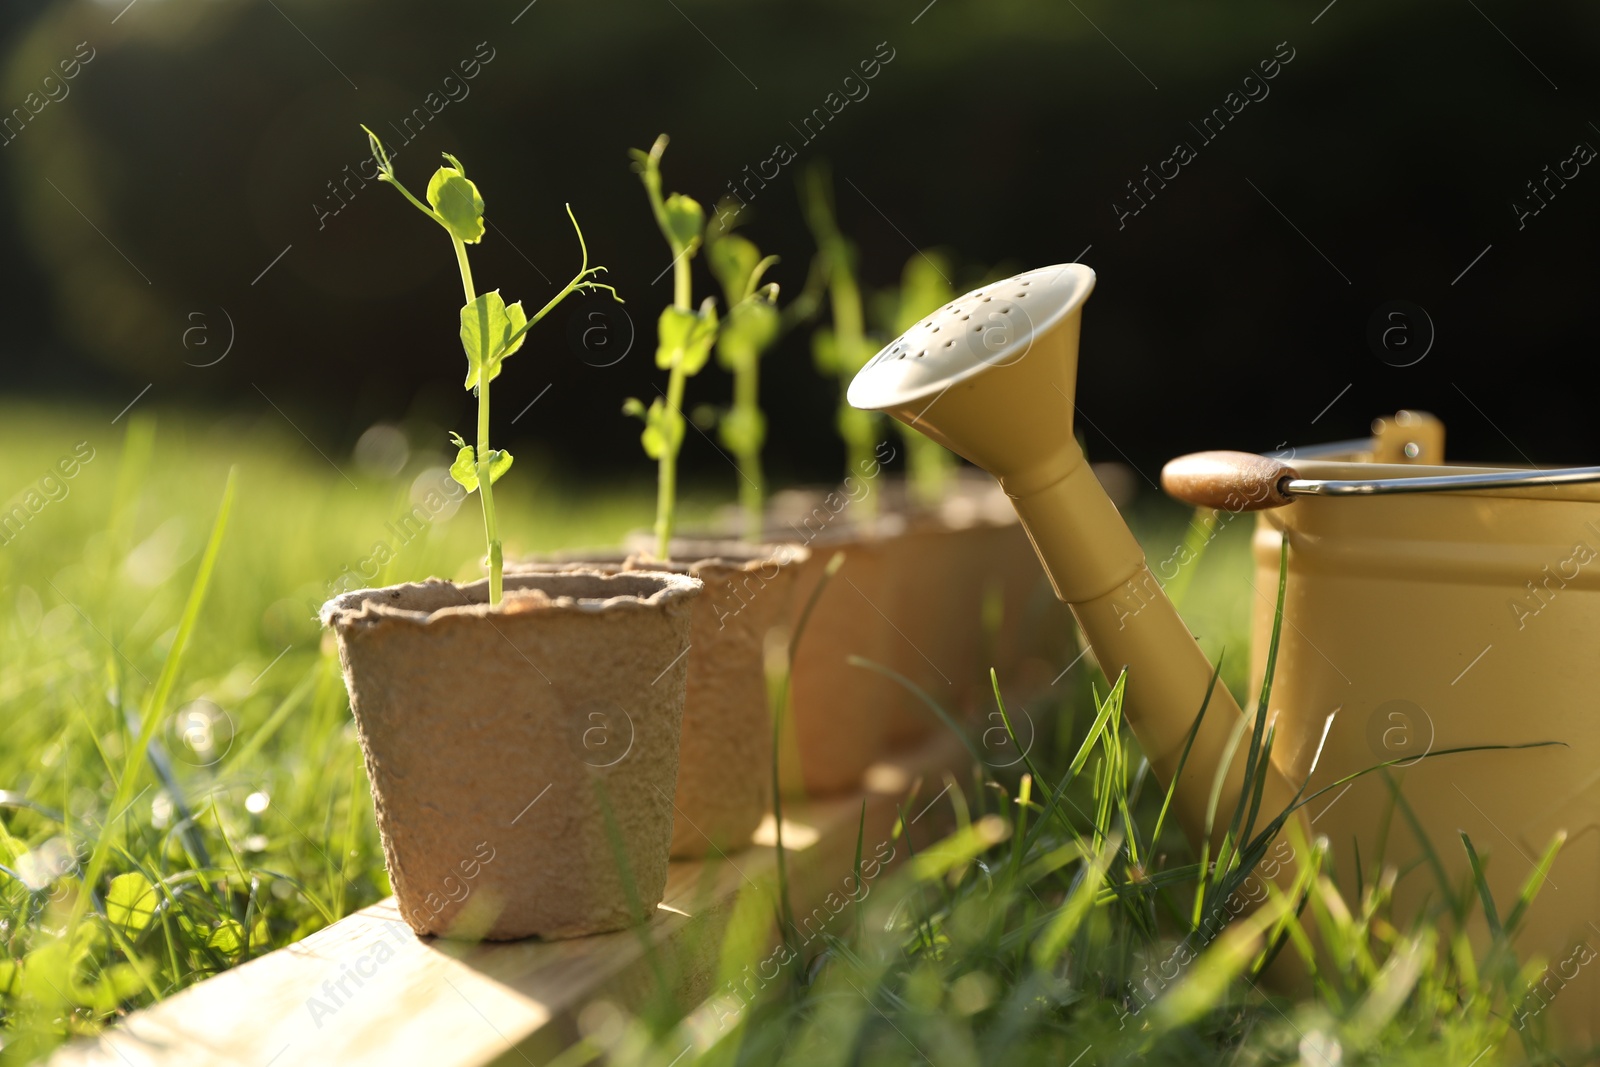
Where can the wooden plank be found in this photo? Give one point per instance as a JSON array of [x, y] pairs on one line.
[[366, 990]]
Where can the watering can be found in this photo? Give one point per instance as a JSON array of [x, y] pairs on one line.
[[1401, 638]]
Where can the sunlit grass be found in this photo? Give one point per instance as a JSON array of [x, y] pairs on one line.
[[1064, 920], [249, 825]]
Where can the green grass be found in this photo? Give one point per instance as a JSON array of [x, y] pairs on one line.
[[1064, 921], [1050, 929], [249, 825], [1060, 924]]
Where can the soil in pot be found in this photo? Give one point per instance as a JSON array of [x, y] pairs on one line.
[[522, 757]]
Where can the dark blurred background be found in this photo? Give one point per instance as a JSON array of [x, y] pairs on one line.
[[180, 194]]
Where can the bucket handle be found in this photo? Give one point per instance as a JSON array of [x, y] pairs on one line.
[[1245, 481]]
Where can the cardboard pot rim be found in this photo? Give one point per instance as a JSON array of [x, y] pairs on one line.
[[705, 554], [572, 592], [721, 553]]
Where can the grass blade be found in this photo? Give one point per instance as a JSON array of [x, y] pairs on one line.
[[779, 713], [1048, 948], [1254, 761], [917, 691], [157, 700], [1481, 881], [1535, 882], [1183, 758]]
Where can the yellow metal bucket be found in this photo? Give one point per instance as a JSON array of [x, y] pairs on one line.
[[1438, 621]]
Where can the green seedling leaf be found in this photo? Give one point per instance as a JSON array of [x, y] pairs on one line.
[[379, 154], [749, 330], [653, 441], [835, 355], [672, 334], [490, 331], [663, 429], [684, 220], [516, 333], [743, 429], [457, 202], [825, 351], [465, 468], [856, 353], [684, 338], [499, 463], [733, 259], [923, 287], [704, 416], [131, 902]]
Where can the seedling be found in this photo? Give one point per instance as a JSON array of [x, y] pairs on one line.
[[491, 329], [924, 286], [843, 349], [684, 336], [750, 329]]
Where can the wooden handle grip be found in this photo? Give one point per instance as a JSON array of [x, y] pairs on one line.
[[1228, 481]]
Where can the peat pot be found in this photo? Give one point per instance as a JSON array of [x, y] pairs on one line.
[[969, 595], [725, 767], [838, 718], [725, 758], [522, 757]]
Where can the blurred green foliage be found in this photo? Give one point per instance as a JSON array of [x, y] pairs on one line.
[[250, 824]]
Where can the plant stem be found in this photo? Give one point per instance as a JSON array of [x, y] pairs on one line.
[[583, 280], [667, 466], [848, 323], [483, 453], [752, 486], [649, 168], [466, 269], [849, 331], [858, 428], [681, 280], [929, 466], [486, 491]]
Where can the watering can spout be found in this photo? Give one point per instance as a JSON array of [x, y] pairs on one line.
[[992, 376]]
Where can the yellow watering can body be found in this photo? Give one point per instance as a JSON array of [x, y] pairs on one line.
[[1389, 600], [1434, 622]]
